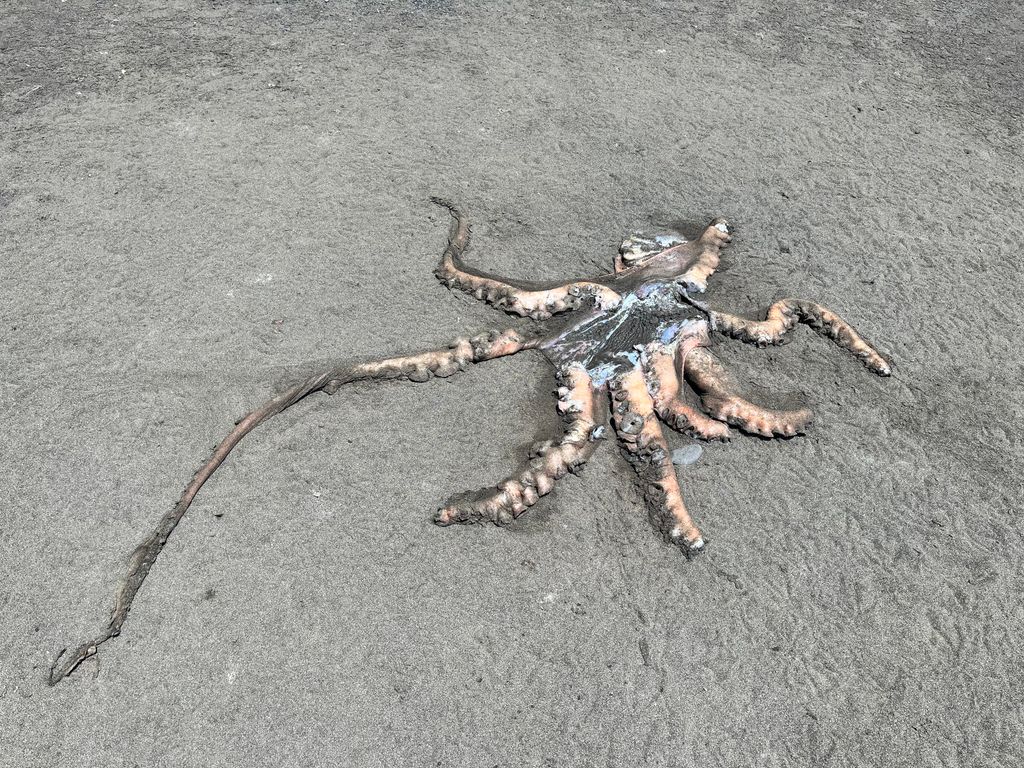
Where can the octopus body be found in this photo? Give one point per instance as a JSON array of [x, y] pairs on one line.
[[633, 338], [638, 334]]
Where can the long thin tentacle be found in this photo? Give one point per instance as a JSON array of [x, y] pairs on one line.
[[718, 393], [783, 315], [665, 386], [417, 368], [552, 460], [644, 445], [516, 297]]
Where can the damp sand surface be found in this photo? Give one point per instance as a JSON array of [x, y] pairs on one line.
[[199, 202]]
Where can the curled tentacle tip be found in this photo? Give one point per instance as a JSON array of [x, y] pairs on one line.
[[693, 547], [59, 671], [53, 677], [445, 516]]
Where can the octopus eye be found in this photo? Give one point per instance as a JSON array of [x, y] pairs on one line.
[[633, 255], [639, 247]]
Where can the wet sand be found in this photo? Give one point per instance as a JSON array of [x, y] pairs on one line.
[[197, 204]]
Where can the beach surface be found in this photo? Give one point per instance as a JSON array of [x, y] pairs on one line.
[[203, 202]]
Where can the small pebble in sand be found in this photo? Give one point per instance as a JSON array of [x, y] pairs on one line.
[[687, 455]]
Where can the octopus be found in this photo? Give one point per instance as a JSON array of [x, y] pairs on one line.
[[635, 340]]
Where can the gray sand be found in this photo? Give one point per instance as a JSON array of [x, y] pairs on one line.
[[197, 203]]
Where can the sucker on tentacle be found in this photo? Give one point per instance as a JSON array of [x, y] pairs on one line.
[[637, 333]]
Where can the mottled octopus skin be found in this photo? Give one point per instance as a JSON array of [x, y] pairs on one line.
[[631, 339]]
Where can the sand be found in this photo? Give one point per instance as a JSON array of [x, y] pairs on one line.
[[198, 202]]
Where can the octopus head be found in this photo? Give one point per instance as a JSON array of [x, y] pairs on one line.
[[642, 250]]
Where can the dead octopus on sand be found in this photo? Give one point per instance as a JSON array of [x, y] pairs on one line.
[[637, 333]]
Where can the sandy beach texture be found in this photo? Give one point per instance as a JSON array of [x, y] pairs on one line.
[[200, 201]]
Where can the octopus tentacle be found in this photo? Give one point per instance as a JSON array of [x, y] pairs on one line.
[[421, 367], [636, 423], [714, 238], [439, 363], [718, 395], [515, 297], [783, 315], [665, 388], [551, 461]]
